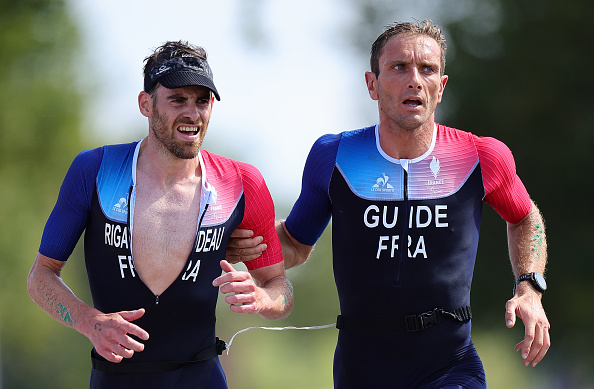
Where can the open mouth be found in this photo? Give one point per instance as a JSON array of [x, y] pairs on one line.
[[189, 130], [412, 102]]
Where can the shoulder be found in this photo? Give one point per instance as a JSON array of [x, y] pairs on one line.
[[251, 176], [486, 145], [89, 157], [332, 141], [495, 156], [489, 149], [85, 167], [94, 157], [325, 148], [227, 167], [452, 134]]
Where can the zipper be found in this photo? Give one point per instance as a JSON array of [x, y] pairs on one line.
[[404, 236], [129, 218], [198, 228]]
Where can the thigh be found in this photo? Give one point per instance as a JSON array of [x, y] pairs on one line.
[[466, 372]]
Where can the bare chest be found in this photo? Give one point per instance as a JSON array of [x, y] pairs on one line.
[[164, 232]]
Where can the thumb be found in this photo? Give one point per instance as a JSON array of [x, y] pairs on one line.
[[132, 315], [226, 266], [510, 314]]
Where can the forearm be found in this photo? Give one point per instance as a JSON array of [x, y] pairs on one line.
[[528, 253], [527, 244], [294, 253], [48, 291], [276, 298]]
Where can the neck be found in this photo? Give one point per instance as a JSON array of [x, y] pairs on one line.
[[162, 166], [402, 143]]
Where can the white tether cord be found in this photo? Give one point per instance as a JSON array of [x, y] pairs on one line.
[[278, 329]]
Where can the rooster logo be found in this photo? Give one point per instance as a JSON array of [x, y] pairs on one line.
[[382, 182], [121, 206]]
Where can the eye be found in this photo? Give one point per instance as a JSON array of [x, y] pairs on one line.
[[429, 69], [177, 99], [399, 67]]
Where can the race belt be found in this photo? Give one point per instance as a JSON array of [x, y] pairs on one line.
[[104, 365], [410, 323]]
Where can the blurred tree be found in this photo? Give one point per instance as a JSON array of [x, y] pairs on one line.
[[535, 96], [40, 119], [516, 73]]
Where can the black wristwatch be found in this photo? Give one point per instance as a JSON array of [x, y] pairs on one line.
[[536, 279]]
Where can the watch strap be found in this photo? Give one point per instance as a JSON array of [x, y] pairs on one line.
[[528, 277]]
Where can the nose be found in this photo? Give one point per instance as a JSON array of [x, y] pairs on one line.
[[415, 80], [193, 112]]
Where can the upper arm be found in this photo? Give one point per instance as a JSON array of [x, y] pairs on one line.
[[259, 216], [69, 215], [312, 210], [504, 190]]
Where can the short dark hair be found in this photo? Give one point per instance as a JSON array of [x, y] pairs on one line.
[[425, 27], [167, 51]]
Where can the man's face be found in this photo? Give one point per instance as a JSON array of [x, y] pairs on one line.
[[409, 85], [179, 118]]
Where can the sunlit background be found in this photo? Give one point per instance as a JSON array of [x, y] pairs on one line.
[[289, 72]]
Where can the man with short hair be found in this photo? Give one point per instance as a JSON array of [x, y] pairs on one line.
[[157, 216], [405, 197]]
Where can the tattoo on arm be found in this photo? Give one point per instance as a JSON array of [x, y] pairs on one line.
[[287, 292], [65, 314], [60, 309], [537, 240]]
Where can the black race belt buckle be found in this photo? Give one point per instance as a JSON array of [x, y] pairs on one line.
[[220, 346], [420, 322]]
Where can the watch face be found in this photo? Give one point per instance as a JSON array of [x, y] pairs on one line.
[[540, 281]]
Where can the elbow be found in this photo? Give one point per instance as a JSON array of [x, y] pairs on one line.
[[31, 283], [278, 314], [282, 304]]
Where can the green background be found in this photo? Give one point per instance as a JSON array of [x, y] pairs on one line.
[[528, 82]]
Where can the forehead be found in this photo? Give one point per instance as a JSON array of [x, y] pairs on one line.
[[408, 47]]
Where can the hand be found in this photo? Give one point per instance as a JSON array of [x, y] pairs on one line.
[[246, 293], [528, 307], [110, 335], [243, 247]]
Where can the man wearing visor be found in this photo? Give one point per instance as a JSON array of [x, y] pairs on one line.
[[157, 216]]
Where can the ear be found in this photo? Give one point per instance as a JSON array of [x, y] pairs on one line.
[[371, 81], [145, 104], [444, 81]]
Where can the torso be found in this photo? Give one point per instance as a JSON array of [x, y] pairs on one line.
[[402, 225], [105, 195], [164, 230], [160, 249], [404, 239]]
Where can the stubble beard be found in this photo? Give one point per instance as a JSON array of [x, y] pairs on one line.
[[181, 150]]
